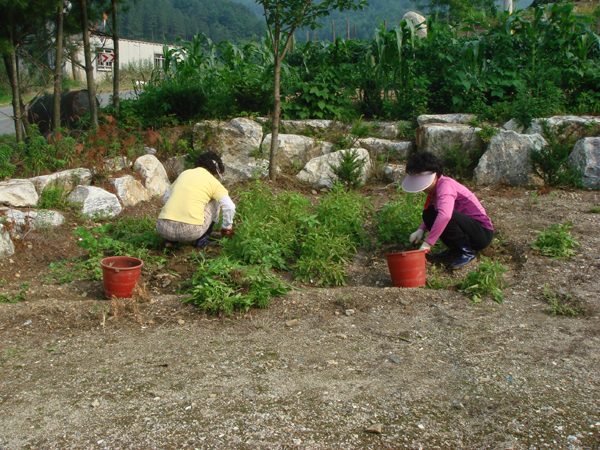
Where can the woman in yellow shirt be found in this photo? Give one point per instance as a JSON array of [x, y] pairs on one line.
[[193, 201]]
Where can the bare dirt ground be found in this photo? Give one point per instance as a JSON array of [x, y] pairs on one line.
[[367, 366]]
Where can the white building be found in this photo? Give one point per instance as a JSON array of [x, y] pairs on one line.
[[147, 54]]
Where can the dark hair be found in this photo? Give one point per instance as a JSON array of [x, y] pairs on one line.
[[424, 162], [211, 162]]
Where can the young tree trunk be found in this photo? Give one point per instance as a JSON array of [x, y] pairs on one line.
[[11, 69], [275, 118], [58, 69], [89, 69], [116, 56]]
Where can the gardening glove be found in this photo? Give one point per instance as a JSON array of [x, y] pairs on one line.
[[425, 246], [416, 237]]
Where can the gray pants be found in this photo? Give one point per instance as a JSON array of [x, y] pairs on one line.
[[186, 232]]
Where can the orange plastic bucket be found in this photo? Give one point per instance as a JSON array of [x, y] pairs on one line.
[[120, 275], [407, 268]]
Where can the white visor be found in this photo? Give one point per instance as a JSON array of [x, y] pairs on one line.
[[416, 183]]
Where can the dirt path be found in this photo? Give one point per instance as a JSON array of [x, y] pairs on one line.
[[424, 369]]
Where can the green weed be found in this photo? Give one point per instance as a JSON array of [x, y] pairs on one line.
[[556, 242], [563, 304], [222, 285], [15, 298], [54, 198], [488, 279], [595, 210]]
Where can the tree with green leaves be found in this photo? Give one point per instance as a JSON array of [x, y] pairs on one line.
[[283, 18]]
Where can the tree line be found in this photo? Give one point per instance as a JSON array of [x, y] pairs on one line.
[[167, 20]]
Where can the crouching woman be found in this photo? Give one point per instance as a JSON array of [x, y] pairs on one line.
[[452, 213], [193, 201]]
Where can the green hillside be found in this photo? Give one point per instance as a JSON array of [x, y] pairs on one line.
[[165, 20], [366, 21]]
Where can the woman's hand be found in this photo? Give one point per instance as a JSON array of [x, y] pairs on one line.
[[226, 231], [416, 237]]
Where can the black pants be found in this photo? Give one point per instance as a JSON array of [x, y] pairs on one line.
[[461, 230]]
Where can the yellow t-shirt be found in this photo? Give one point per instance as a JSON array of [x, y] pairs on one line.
[[190, 193]]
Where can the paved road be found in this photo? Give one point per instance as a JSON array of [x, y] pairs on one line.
[[7, 126]]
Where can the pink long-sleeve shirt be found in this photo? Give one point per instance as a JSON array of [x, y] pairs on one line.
[[449, 196]]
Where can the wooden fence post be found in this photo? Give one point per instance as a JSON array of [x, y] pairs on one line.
[[348, 30]]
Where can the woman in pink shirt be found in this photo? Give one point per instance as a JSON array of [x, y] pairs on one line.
[[452, 213]]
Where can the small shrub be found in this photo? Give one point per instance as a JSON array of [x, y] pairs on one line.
[[346, 213], [222, 285], [488, 279], [563, 304], [54, 197], [398, 219], [323, 256], [459, 163], [349, 170], [556, 242], [486, 133]]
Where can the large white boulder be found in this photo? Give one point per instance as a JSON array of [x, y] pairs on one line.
[[425, 119], [32, 220], [241, 167], [294, 150], [95, 201], [585, 159], [318, 170], [567, 125], [129, 190], [157, 182], [395, 150], [439, 138], [7, 247], [239, 136], [418, 21], [18, 193], [66, 179], [508, 159]]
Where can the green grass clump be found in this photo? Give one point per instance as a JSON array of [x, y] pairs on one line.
[[488, 279], [223, 285], [556, 242], [563, 304], [54, 197]]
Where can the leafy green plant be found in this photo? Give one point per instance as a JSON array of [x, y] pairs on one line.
[[459, 163], [398, 219], [267, 226], [556, 242], [488, 279], [595, 210], [323, 256], [222, 285], [563, 304], [54, 197], [349, 170], [6, 168], [487, 132], [435, 278], [345, 213], [15, 298]]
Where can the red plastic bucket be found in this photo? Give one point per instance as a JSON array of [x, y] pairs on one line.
[[407, 268], [120, 275]]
